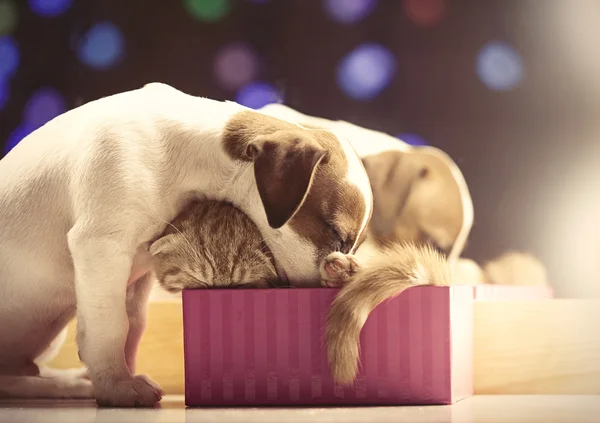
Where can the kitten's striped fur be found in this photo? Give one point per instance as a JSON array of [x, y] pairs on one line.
[[212, 244]]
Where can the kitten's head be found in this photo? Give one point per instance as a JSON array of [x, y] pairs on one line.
[[212, 245]]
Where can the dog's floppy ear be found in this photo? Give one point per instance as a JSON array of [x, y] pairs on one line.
[[392, 175], [284, 165]]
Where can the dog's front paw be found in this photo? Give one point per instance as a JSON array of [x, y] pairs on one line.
[[337, 269], [139, 391]]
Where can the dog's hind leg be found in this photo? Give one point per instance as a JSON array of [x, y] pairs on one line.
[[40, 387], [34, 380], [50, 353], [72, 373], [52, 350]]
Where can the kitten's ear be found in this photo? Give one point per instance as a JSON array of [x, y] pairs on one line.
[[284, 165]]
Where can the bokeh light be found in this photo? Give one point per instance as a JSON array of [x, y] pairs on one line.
[[102, 47], [366, 71], [235, 65], [349, 11], [207, 10], [425, 12], [412, 139], [17, 135], [258, 94], [43, 106], [4, 93], [8, 17], [499, 66], [49, 8], [9, 56]]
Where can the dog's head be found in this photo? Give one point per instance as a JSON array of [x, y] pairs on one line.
[[419, 195], [312, 193]]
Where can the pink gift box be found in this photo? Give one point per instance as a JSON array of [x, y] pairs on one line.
[[266, 347]]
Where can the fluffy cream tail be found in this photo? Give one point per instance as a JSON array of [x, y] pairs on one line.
[[387, 275]]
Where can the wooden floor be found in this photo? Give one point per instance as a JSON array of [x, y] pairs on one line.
[[477, 409]]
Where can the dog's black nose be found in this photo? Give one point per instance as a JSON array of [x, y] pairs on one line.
[[346, 247]]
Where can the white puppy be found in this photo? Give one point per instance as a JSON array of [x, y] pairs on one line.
[[81, 198]]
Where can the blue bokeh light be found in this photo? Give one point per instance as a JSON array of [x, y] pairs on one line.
[[43, 106], [102, 46], [258, 94], [366, 71], [49, 8], [412, 139], [349, 11], [499, 66], [17, 135], [9, 57], [4, 93]]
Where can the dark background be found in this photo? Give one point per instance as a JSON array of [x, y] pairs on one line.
[[529, 153]]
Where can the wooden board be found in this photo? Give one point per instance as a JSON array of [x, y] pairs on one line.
[[537, 347]]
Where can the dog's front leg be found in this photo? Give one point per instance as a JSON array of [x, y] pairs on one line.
[[102, 266], [137, 310]]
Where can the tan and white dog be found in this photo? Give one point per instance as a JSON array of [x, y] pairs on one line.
[[83, 196], [420, 194]]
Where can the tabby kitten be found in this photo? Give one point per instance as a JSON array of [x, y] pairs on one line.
[[212, 244]]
